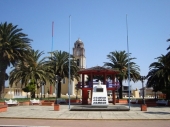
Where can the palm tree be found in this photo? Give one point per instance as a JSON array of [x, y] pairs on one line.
[[31, 69], [14, 46], [59, 63], [159, 75], [168, 54], [168, 40], [119, 60], [153, 81]]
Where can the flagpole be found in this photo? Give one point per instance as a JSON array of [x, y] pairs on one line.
[[51, 56], [128, 60], [69, 58], [52, 36]]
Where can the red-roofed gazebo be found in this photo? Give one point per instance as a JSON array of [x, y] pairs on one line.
[[92, 72]]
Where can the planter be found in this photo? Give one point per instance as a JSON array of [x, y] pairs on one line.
[[56, 107], [49, 100], [117, 101], [122, 101], [2, 103], [47, 103], [24, 103], [3, 108], [143, 107]]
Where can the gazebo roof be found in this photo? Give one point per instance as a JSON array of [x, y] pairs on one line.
[[98, 70]]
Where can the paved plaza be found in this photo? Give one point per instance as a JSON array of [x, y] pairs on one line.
[[21, 115], [47, 112]]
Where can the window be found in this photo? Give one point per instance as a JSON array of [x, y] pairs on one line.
[[78, 62]]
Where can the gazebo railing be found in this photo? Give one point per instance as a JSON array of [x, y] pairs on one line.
[[90, 85]]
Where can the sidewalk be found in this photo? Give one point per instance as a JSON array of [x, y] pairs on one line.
[[47, 112]]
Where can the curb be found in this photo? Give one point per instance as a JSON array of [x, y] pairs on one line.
[[82, 119]]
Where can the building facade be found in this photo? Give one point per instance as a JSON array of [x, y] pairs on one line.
[[43, 89]]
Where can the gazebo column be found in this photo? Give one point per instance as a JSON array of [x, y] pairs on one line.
[[91, 85], [82, 80], [84, 93], [91, 79], [104, 82], [84, 96], [113, 91], [113, 97]]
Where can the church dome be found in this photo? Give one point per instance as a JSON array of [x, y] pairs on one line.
[[79, 43]]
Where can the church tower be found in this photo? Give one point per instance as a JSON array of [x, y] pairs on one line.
[[79, 54]]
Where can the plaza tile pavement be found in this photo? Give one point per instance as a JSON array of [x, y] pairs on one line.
[[47, 112], [45, 116]]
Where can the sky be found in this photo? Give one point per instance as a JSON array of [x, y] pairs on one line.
[[100, 24]]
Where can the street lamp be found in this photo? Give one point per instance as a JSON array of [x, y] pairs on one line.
[[142, 80], [69, 58]]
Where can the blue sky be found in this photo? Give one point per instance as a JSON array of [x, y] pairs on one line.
[[100, 24]]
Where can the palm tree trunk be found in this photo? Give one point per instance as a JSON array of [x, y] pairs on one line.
[[2, 81], [120, 90], [32, 94], [155, 95], [59, 89], [167, 95]]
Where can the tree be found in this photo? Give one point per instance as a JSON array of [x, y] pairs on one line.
[[31, 87], [153, 81], [159, 75], [58, 61], [119, 61], [14, 46], [32, 68], [168, 40]]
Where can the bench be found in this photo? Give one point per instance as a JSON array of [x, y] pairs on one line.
[[3, 108], [23, 103], [162, 102], [35, 102], [11, 102]]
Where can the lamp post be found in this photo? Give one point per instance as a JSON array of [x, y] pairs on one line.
[[69, 58], [142, 80]]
